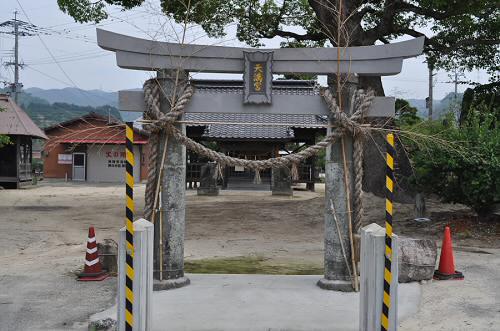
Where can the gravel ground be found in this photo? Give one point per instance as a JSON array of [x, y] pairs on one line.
[[43, 232]]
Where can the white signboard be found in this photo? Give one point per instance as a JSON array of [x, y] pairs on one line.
[[106, 163], [64, 158]]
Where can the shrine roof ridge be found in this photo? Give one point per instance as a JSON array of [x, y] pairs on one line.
[[309, 87]]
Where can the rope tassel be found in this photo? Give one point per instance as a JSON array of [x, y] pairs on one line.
[[295, 172], [256, 179]]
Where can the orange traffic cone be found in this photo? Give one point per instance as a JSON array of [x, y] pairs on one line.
[[92, 271], [447, 261]]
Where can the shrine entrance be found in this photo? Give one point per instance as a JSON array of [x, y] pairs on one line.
[[170, 101]]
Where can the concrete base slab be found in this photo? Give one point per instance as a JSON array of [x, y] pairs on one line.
[[261, 302], [170, 284], [335, 285]]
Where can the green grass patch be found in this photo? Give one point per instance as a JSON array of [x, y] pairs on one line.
[[250, 265]]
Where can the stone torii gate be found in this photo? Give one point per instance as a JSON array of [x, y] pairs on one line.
[[168, 59]]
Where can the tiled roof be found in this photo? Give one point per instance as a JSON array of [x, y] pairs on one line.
[[284, 87], [13, 120], [220, 131]]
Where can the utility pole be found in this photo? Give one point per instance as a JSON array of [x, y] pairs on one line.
[[430, 97], [455, 80], [16, 58], [18, 29], [456, 83]]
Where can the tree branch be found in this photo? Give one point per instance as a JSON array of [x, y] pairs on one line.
[[411, 32], [386, 24], [298, 37], [360, 14], [461, 44], [427, 12], [384, 40], [436, 44]]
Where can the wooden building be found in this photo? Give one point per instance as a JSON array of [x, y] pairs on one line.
[[92, 148], [16, 156], [256, 136]]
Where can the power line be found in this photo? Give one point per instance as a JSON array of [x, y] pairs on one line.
[[71, 58], [52, 55], [48, 76], [19, 28], [47, 48]]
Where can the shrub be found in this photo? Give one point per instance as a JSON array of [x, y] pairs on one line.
[[460, 164]]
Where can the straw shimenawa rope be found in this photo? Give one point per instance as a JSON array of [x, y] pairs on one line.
[[156, 121]]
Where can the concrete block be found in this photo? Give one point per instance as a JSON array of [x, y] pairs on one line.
[[108, 255], [417, 259]]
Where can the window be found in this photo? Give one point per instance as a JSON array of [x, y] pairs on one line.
[[79, 160]]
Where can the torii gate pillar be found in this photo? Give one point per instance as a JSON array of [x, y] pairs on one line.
[[336, 274], [169, 235]]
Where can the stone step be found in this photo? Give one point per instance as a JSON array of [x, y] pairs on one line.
[[249, 186]]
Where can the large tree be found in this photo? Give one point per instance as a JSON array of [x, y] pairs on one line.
[[458, 33]]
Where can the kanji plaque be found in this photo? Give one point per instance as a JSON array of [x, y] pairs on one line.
[[258, 77]]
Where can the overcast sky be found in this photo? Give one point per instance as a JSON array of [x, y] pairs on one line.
[[68, 55]]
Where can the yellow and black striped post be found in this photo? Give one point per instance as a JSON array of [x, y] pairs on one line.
[[389, 196], [129, 234]]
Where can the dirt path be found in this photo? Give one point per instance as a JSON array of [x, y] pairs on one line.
[[43, 233]]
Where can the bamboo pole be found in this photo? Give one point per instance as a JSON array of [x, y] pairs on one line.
[[334, 213], [344, 161], [159, 177]]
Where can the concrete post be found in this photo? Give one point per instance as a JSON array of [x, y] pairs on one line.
[[173, 191], [143, 276], [336, 271], [372, 279]]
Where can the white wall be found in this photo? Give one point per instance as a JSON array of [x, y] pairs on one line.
[[106, 163]]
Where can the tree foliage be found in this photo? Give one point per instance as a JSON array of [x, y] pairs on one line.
[[457, 33], [465, 170], [405, 113], [4, 139], [488, 95]]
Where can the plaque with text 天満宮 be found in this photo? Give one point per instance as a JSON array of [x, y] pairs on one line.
[[258, 77]]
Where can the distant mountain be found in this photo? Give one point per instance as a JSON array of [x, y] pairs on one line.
[[26, 98], [441, 107], [45, 115], [420, 105], [49, 107], [75, 96]]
